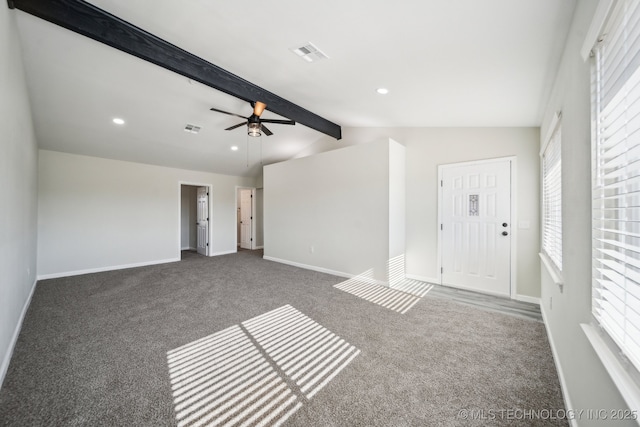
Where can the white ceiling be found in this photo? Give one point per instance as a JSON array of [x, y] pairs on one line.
[[446, 63]]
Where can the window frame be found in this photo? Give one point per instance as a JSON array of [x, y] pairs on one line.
[[622, 364], [552, 255]]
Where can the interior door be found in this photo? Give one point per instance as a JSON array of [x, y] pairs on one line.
[[246, 206], [476, 226], [203, 220]]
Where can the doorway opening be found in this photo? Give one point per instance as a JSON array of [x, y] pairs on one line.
[[249, 213], [476, 240], [195, 214]]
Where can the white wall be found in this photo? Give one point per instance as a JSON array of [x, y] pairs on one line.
[[426, 148], [189, 217], [97, 214], [332, 210], [18, 190], [587, 385], [397, 177]]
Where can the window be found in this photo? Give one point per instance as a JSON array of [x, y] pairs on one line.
[[552, 198], [616, 179]]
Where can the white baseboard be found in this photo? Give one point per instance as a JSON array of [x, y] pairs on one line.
[[189, 248], [308, 267], [556, 361], [431, 280], [224, 252], [260, 247], [101, 269], [527, 298], [326, 270], [14, 338]]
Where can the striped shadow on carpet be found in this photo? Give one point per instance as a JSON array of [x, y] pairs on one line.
[[230, 378], [399, 297], [221, 377], [306, 352]]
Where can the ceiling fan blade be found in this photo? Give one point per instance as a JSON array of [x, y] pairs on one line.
[[237, 126], [280, 122], [265, 130], [226, 112], [258, 108]]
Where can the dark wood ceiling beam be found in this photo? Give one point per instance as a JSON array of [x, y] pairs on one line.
[[90, 21]]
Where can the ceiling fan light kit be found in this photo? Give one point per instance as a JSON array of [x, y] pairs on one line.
[[253, 129]]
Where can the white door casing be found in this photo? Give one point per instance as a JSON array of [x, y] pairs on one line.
[[476, 226], [246, 217], [203, 220]]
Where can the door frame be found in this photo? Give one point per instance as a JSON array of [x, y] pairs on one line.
[[253, 214], [513, 161], [210, 209]]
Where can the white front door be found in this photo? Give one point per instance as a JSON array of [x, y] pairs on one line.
[[203, 220], [246, 205], [476, 226]]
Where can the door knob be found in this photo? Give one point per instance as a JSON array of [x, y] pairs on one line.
[[504, 224], [504, 233]]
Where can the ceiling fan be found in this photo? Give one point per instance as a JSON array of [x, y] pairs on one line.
[[254, 122]]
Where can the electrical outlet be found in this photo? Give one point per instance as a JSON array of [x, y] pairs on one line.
[[312, 249], [550, 303]]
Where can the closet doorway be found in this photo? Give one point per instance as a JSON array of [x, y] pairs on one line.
[[245, 215], [194, 218]]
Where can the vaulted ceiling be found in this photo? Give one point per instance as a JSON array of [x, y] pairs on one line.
[[454, 63]]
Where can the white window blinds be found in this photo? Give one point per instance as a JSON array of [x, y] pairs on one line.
[[552, 200], [616, 187]]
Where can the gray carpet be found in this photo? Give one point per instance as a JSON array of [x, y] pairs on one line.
[[93, 351]]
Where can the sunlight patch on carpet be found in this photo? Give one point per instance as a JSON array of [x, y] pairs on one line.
[[224, 379], [245, 374], [308, 353], [413, 287], [400, 297]]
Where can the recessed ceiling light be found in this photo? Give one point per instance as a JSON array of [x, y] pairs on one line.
[[118, 121], [234, 148], [382, 91]]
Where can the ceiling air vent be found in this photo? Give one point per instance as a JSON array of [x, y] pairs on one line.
[[309, 52], [192, 128]]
